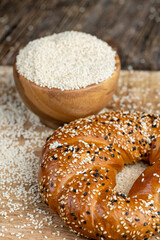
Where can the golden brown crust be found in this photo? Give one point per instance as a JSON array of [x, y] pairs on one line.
[[77, 174]]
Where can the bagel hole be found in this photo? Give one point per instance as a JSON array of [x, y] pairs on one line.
[[128, 175]]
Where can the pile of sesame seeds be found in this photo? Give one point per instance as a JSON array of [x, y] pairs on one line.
[[22, 212], [67, 61], [128, 175]]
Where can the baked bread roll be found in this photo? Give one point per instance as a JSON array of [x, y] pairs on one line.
[[78, 168]]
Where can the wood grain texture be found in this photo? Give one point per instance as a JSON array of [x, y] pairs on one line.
[[132, 27], [138, 90], [54, 106]]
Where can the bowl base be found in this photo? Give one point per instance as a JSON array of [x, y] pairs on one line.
[[51, 124]]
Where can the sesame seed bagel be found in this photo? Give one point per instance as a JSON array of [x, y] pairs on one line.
[[78, 168]]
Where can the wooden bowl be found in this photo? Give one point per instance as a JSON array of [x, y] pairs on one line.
[[55, 107]]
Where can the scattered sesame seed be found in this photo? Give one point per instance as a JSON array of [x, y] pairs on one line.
[[26, 170]]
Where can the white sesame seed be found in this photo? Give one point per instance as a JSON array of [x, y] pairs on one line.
[[68, 60]]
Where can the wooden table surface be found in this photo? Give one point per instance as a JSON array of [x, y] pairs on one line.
[[23, 214], [131, 26]]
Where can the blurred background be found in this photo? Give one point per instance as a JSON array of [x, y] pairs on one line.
[[130, 26]]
